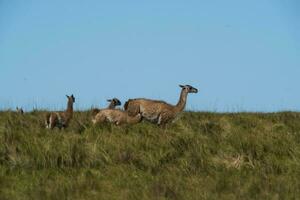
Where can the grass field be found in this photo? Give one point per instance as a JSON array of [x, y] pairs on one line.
[[200, 156]]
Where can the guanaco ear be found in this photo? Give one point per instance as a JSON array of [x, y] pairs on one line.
[[67, 96], [182, 86], [109, 100]]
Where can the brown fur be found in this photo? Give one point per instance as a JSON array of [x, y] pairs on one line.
[[60, 119], [157, 111], [113, 104], [116, 116]]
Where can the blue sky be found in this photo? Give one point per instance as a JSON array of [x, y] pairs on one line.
[[241, 55]]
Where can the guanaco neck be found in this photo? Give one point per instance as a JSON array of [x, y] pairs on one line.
[[69, 111], [181, 102], [111, 105]]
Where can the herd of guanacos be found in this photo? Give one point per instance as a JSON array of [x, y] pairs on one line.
[[135, 110]]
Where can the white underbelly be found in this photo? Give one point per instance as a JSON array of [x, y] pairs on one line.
[[110, 119], [152, 118]]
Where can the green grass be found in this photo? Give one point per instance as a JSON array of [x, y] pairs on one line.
[[200, 156]]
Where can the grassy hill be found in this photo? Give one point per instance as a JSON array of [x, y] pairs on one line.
[[201, 156]]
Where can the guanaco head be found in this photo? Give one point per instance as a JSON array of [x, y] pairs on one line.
[[71, 98], [114, 101], [189, 89], [19, 110]]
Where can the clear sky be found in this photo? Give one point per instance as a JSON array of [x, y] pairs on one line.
[[241, 55]]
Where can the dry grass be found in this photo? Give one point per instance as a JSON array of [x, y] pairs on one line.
[[201, 156]]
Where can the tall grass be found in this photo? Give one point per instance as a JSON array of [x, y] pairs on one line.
[[200, 156]]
